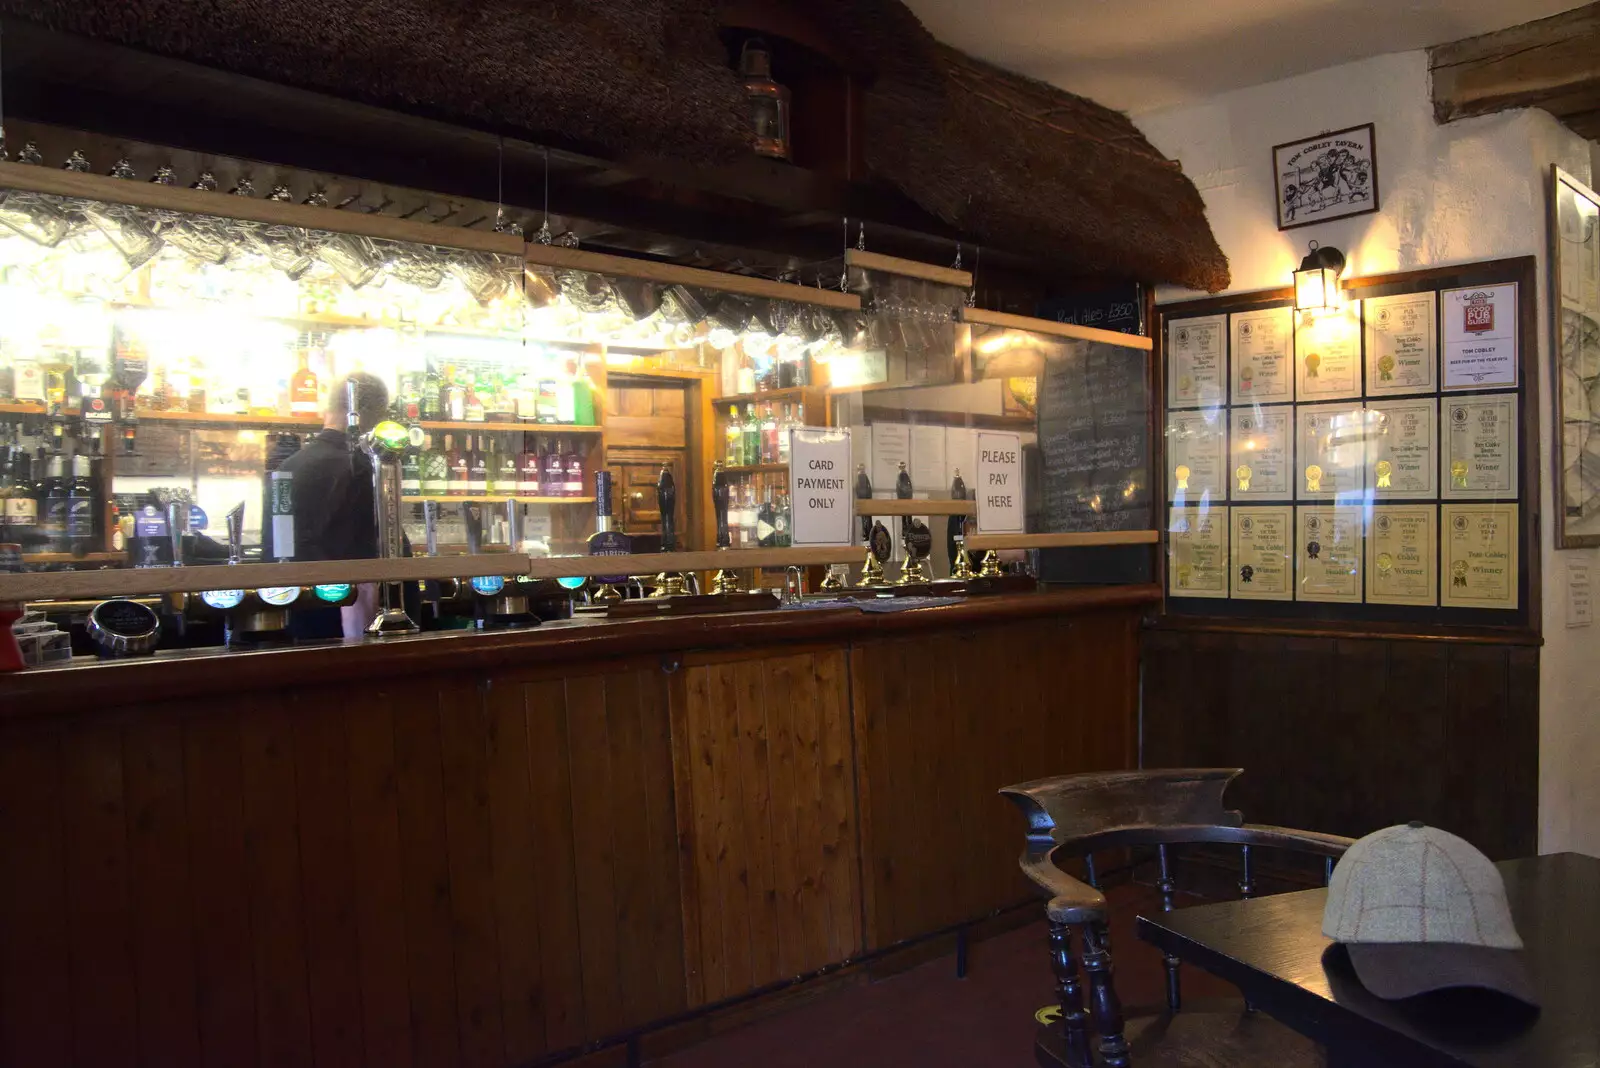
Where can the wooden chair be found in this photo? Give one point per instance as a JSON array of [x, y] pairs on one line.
[[1073, 816]]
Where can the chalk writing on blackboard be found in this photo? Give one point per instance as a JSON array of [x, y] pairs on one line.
[[1094, 431]]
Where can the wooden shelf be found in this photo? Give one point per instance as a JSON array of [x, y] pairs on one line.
[[229, 419], [515, 428], [792, 393], [21, 408], [755, 469], [68, 558], [497, 500], [983, 542]]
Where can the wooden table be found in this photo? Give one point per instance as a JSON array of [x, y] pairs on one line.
[[1273, 949]]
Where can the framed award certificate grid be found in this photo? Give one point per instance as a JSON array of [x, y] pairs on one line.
[[1328, 551], [1327, 353], [1263, 356], [1402, 555], [1479, 555], [1261, 453], [1478, 454], [1197, 360], [1402, 356], [1263, 553], [1197, 552], [1400, 451], [1330, 451], [1404, 411]]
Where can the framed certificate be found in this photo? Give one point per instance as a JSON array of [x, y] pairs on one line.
[[1327, 353], [1480, 556], [1197, 552], [1330, 451], [1402, 555], [1400, 450], [1261, 453], [1263, 553], [1196, 457], [1197, 358], [1478, 447], [1328, 554], [1480, 336], [1263, 356], [1401, 354]]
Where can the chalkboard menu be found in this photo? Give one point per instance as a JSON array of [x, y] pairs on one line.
[[1120, 308], [1094, 431]]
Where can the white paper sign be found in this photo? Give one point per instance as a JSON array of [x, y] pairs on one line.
[[999, 487], [1480, 336], [1580, 597], [821, 486]]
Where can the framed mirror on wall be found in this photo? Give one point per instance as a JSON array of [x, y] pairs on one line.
[[1575, 302]]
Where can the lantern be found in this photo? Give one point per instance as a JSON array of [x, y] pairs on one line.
[[768, 101], [1316, 283]]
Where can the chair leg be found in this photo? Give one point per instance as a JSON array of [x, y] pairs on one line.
[[1074, 1021], [1103, 997], [1168, 888]]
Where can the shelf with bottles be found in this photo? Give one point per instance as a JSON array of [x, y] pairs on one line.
[[513, 428], [493, 499], [755, 469], [794, 394], [756, 436]]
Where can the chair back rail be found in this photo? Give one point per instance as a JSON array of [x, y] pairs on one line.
[[1075, 816]]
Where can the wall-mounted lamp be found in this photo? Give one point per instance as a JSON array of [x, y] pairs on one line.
[[1316, 283]]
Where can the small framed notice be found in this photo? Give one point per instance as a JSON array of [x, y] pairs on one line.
[[820, 486], [1197, 552], [1400, 453], [1329, 554], [1401, 354], [1000, 504], [1197, 357], [1402, 554], [1480, 556], [1263, 553], [1327, 353], [1262, 453], [1480, 336], [1196, 457], [1263, 356], [1479, 447]]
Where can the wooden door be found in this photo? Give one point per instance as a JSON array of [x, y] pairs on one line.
[[647, 429]]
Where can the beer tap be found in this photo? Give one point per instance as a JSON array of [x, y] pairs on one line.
[[385, 444], [668, 583], [725, 580]]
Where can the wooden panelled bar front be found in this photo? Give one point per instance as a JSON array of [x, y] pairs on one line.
[[501, 849]]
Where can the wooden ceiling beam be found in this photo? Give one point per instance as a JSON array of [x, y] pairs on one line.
[[1552, 63]]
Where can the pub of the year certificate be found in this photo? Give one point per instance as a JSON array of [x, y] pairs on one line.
[[1400, 450], [1328, 553], [1480, 336], [1261, 453], [1197, 552], [1402, 555], [1401, 354], [1263, 553], [1263, 355], [1196, 456], [1327, 353], [1480, 556], [1478, 454], [1197, 352], [1330, 451]]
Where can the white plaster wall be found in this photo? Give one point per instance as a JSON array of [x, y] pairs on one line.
[[1470, 190]]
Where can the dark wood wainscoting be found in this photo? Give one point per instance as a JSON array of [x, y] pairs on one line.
[[1347, 735]]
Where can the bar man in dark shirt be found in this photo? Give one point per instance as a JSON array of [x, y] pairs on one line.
[[332, 498]]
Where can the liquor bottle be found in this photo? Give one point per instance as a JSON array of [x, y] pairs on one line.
[[53, 505], [505, 470], [746, 379], [733, 435], [769, 436], [82, 504], [781, 518], [477, 467], [572, 461], [783, 433], [432, 402], [555, 470], [411, 473], [303, 383], [277, 506], [766, 522], [435, 469], [456, 461], [606, 540], [19, 512], [409, 401], [752, 436], [582, 397], [472, 406], [452, 397], [530, 469]]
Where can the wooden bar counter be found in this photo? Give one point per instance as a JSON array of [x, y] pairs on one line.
[[497, 849]]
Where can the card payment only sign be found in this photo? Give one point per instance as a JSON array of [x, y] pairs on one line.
[[820, 489], [1000, 508]]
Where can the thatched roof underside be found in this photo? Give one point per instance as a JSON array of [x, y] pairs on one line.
[[1011, 162]]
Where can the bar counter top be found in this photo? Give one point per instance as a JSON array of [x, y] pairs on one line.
[[197, 673]]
